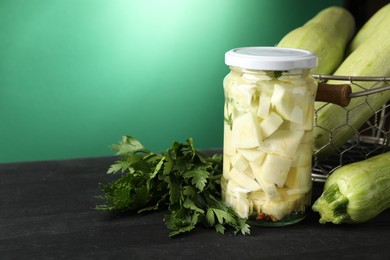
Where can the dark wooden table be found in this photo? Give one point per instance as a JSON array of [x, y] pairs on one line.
[[47, 212]]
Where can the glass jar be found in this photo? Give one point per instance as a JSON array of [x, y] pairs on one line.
[[268, 121]]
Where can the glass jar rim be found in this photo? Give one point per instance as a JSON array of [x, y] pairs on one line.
[[285, 72], [271, 58]]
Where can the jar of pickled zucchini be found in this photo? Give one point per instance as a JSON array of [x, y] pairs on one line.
[[268, 121]]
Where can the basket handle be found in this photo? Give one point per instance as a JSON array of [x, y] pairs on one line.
[[336, 94]]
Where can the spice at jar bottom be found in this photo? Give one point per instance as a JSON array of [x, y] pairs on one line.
[[268, 121]]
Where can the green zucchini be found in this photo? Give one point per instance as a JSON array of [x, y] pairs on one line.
[[378, 24], [357, 192], [326, 35], [371, 58]]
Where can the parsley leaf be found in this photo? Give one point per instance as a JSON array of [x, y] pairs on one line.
[[182, 180]]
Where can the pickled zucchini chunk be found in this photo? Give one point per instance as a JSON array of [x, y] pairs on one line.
[[252, 155], [241, 96], [303, 156], [239, 202], [260, 196], [246, 132], [291, 102], [287, 205], [226, 166], [299, 180], [244, 180], [254, 78], [270, 124], [233, 187], [264, 105], [270, 190], [261, 208], [283, 142], [228, 147], [239, 162], [275, 169]]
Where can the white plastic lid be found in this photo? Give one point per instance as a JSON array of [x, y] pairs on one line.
[[270, 58]]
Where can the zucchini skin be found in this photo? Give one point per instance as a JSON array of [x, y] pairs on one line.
[[370, 59], [326, 34], [357, 192], [373, 28]]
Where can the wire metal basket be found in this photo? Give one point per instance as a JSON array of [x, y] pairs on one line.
[[371, 139]]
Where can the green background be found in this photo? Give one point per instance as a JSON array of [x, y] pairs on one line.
[[76, 75]]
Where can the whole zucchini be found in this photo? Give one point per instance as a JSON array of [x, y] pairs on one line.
[[371, 58], [356, 192], [326, 34], [376, 26]]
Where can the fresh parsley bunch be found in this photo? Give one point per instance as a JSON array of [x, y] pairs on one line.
[[182, 179]]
